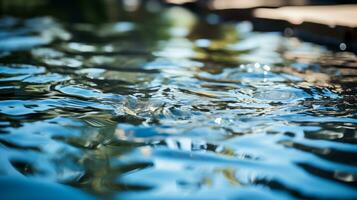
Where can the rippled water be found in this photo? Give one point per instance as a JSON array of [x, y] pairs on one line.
[[175, 108]]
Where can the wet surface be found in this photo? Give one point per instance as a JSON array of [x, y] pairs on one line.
[[175, 108]]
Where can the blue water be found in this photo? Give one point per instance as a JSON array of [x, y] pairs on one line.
[[173, 108]]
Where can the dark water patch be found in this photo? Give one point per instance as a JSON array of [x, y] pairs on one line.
[[36, 189]]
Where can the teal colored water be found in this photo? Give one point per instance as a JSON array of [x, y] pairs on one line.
[[155, 106]]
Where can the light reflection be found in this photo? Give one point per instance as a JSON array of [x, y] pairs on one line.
[[180, 1], [131, 5], [240, 4], [343, 46], [81, 47]]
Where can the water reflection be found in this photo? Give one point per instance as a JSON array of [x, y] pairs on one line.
[[171, 107]]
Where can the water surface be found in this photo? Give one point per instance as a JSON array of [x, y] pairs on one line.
[[175, 108]]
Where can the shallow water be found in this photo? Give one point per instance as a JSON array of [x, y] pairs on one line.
[[174, 108]]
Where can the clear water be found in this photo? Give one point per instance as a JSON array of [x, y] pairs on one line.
[[155, 106]]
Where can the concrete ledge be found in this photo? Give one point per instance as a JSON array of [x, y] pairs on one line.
[[334, 26]]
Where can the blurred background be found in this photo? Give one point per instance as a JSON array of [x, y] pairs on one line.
[[328, 22]]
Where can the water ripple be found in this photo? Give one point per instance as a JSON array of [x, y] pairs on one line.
[[174, 108]]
